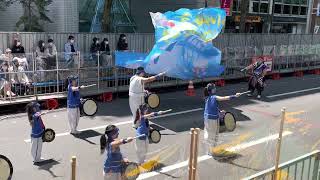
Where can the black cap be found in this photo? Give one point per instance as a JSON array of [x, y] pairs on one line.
[[71, 37], [140, 70]]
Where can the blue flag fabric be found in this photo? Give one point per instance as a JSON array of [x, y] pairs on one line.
[[183, 45]]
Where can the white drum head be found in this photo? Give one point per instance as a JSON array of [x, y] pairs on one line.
[[153, 100], [90, 107], [155, 136], [49, 135], [229, 121], [6, 169]]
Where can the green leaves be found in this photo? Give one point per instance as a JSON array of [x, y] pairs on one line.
[[34, 15]]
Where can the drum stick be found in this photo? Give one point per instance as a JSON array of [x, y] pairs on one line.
[[90, 85], [245, 92], [166, 111], [142, 135]]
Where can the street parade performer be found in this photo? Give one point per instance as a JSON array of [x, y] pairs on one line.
[[211, 119], [114, 160], [37, 129], [142, 131], [257, 78], [73, 103], [137, 91]]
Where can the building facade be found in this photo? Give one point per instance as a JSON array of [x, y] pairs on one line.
[[315, 20], [290, 16]]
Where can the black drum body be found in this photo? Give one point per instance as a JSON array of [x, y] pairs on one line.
[[48, 135], [153, 100], [227, 121], [88, 107], [6, 168], [130, 171], [154, 136]]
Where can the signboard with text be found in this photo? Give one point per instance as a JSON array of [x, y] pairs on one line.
[[227, 5]]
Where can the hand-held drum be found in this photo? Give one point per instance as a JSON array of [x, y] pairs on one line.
[[228, 121], [130, 171], [48, 135], [153, 100], [6, 169], [89, 107], [154, 136]]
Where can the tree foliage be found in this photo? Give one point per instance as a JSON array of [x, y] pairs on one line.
[[35, 13]]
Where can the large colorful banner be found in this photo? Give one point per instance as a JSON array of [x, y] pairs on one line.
[[183, 45]]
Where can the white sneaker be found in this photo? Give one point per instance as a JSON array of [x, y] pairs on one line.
[[39, 160], [77, 132]]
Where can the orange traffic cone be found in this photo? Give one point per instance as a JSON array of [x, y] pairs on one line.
[[191, 91]]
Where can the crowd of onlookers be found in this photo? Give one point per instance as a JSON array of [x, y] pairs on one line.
[[16, 67]]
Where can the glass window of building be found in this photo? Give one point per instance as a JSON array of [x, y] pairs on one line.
[[264, 8], [255, 7], [277, 8], [235, 5], [295, 10], [286, 9], [287, 1], [296, 2], [278, 0], [304, 2], [303, 10]]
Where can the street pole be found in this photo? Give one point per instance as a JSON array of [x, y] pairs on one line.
[[271, 13], [310, 9]]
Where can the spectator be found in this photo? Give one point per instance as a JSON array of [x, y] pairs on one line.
[[41, 59], [8, 59], [17, 49], [7, 67], [20, 61], [71, 53], [106, 58], [122, 43], [51, 52], [94, 49], [104, 46]]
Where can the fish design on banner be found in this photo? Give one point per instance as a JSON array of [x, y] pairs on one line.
[[183, 45]]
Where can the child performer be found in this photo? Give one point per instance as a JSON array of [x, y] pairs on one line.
[[143, 128], [211, 115], [114, 160], [34, 116], [73, 103]]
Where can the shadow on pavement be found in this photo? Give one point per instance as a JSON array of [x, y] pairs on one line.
[[84, 135], [47, 165]]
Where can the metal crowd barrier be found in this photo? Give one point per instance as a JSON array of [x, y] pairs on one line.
[[290, 53], [305, 167]]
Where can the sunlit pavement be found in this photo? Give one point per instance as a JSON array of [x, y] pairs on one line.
[[253, 140]]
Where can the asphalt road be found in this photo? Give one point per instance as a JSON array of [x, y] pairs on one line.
[[254, 139]]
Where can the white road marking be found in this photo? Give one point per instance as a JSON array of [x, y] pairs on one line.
[[125, 122], [293, 92], [206, 157]]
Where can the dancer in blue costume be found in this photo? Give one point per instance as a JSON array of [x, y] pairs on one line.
[[114, 160]]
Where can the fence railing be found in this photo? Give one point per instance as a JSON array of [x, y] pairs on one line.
[[44, 77], [305, 167]]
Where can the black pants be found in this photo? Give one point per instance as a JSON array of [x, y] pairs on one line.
[[254, 84]]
